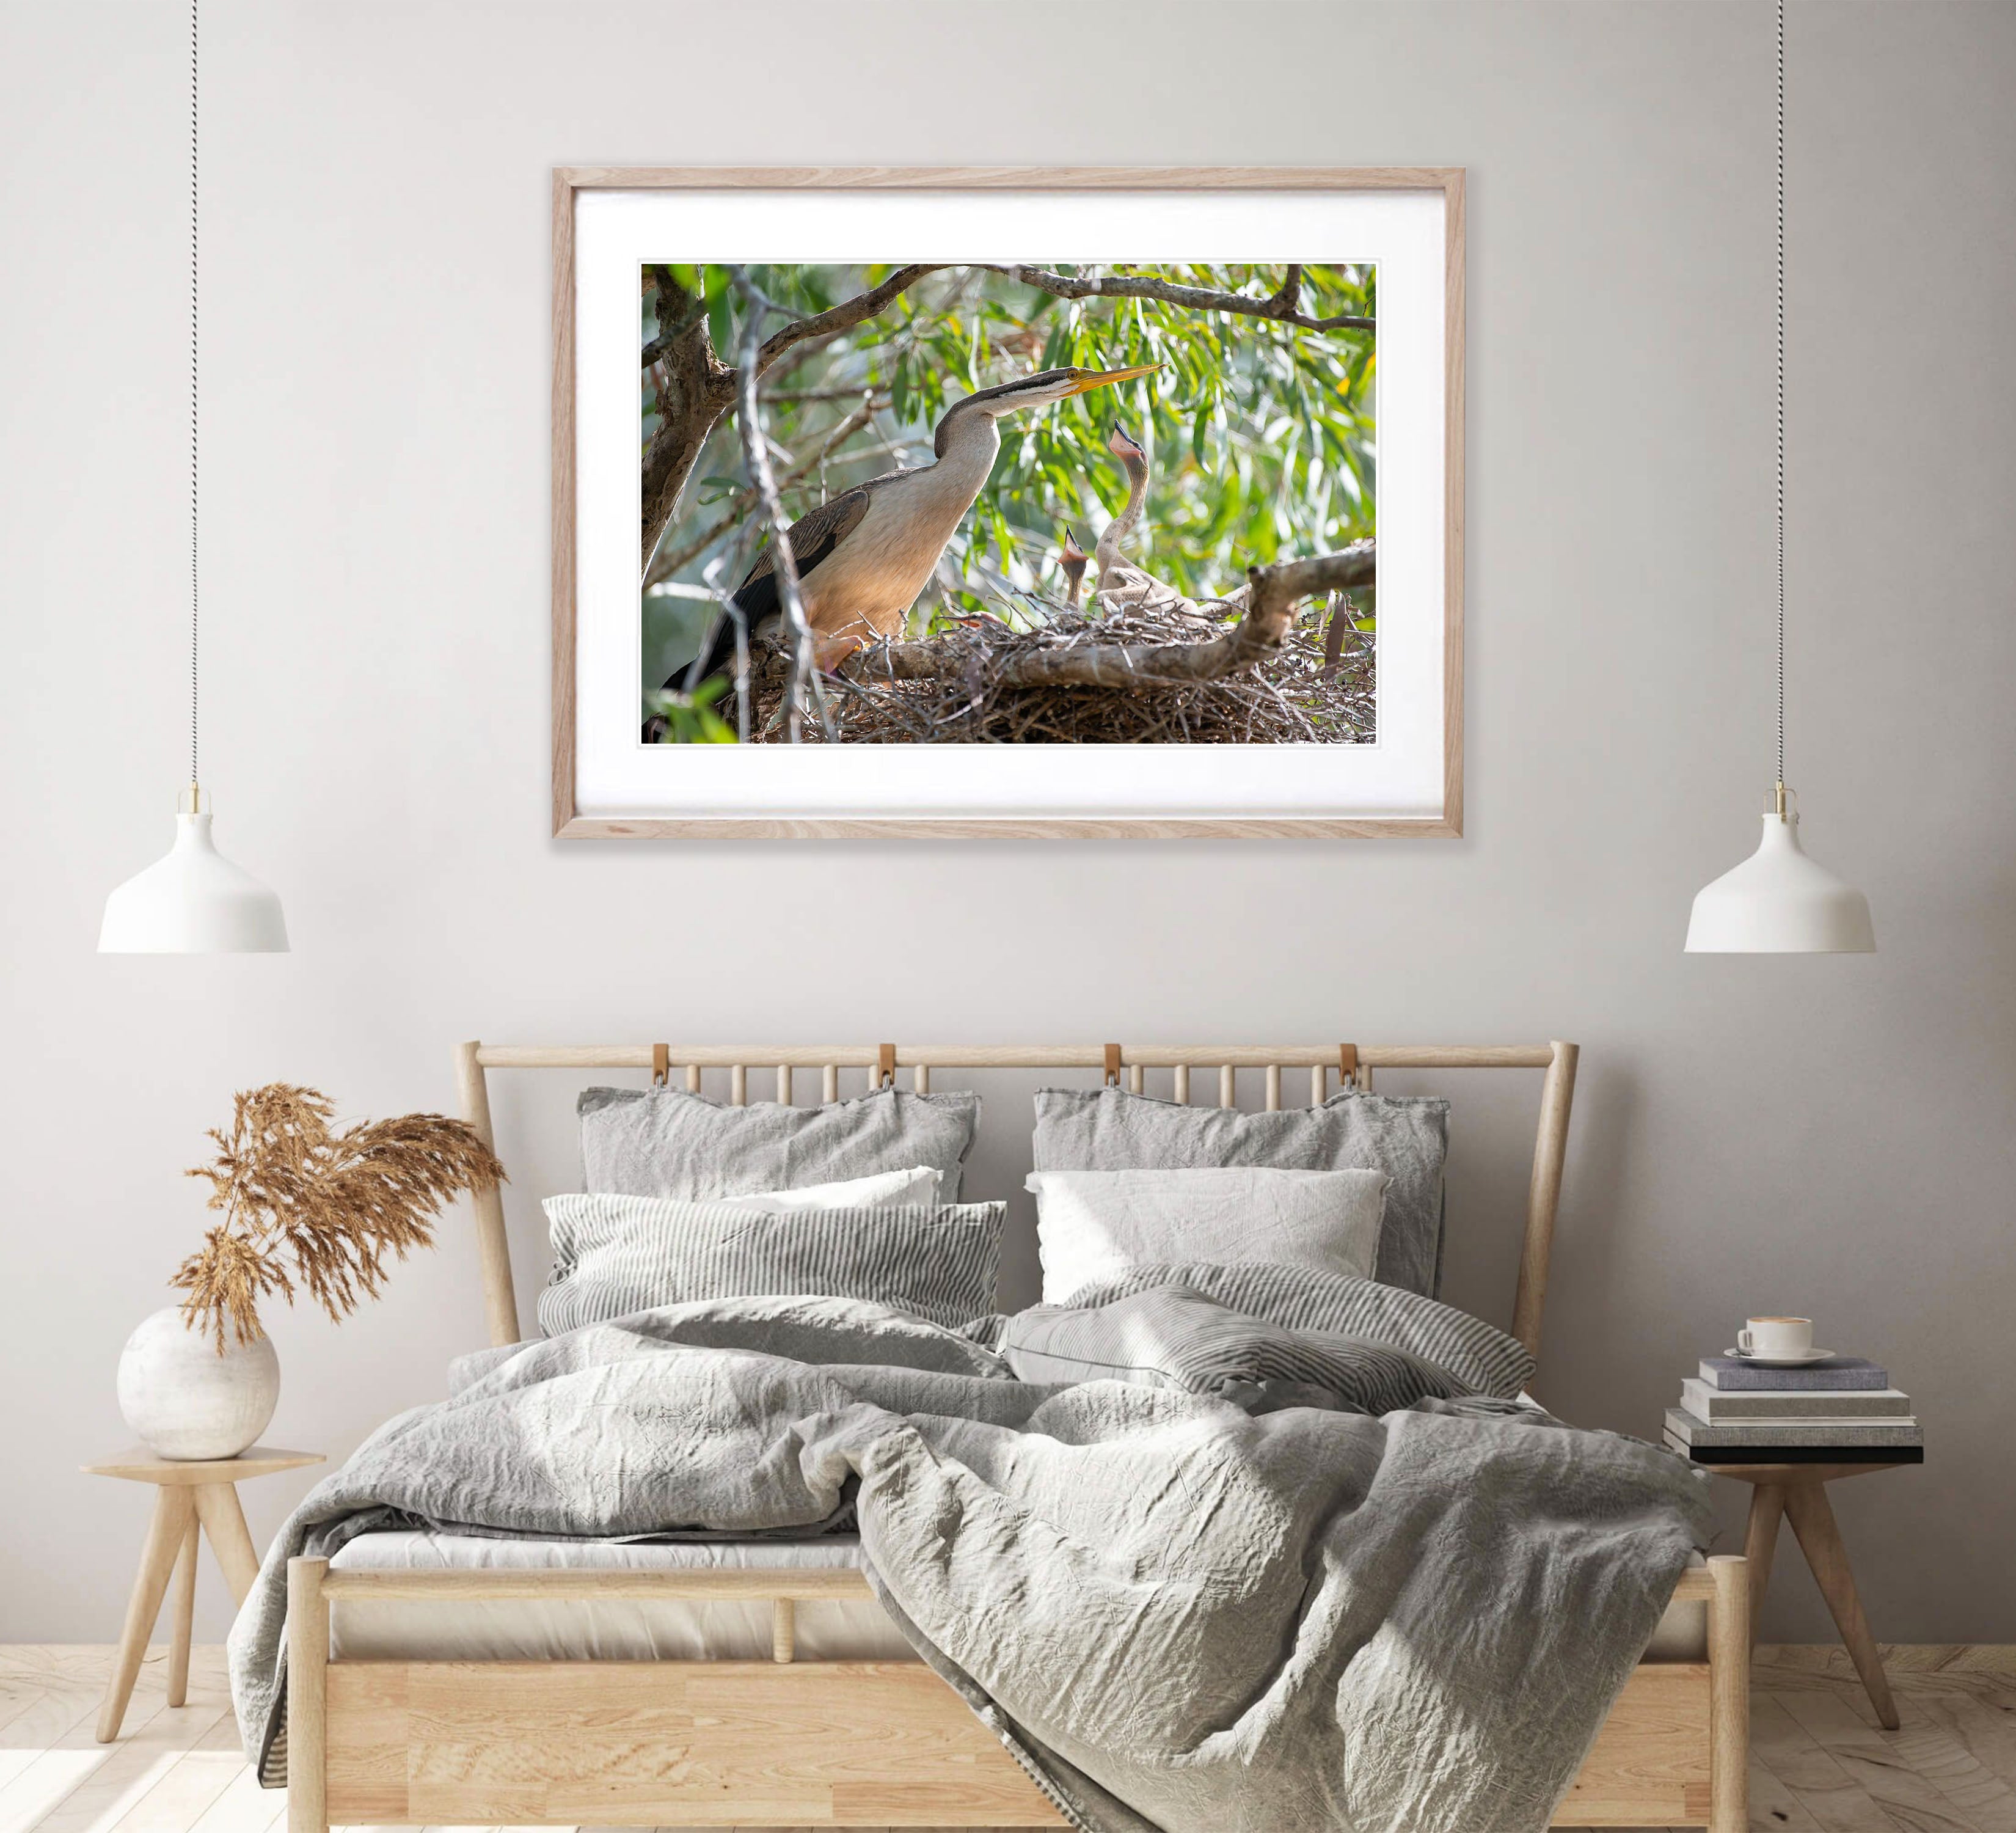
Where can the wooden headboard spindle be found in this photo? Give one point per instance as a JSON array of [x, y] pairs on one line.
[[1355, 1066]]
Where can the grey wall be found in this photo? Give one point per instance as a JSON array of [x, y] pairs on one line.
[[1833, 1135]]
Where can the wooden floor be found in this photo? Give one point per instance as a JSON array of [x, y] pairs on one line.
[[1821, 1765]]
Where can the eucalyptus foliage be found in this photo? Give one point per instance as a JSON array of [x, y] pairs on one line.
[[1261, 435]]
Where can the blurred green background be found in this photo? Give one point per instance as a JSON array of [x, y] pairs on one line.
[[1261, 435]]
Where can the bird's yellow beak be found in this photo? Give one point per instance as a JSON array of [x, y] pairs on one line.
[[1098, 378]]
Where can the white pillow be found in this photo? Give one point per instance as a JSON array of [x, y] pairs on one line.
[[885, 1189], [1095, 1224]]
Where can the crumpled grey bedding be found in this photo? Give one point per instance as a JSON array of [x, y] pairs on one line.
[[1176, 1615]]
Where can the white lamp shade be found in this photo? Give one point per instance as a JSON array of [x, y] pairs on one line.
[[194, 902], [1778, 901]]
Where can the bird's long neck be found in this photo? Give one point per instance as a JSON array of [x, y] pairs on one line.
[[1122, 525], [966, 444]]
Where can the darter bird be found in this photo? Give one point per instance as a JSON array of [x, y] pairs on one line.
[[1123, 586], [864, 556], [1072, 559]]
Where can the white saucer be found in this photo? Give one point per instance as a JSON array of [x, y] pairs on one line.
[[1810, 1357]]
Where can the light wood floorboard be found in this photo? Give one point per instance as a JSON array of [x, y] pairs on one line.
[[1820, 1762]]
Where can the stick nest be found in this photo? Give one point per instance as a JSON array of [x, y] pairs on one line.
[[1287, 699]]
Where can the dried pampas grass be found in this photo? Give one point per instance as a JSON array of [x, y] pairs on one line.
[[303, 1204]]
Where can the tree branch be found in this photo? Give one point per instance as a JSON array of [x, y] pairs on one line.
[[666, 340], [1282, 308], [694, 388], [757, 454], [844, 316], [667, 563], [1272, 593]]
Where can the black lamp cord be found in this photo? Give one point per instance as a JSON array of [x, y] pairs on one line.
[[194, 600], [1781, 393]]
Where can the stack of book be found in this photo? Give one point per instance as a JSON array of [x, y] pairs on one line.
[[1843, 1410]]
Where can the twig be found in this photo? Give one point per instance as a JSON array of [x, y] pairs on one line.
[[803, 667], [665, 565], [1282, 308], [1339, 605], [849, 391], [843, 317]]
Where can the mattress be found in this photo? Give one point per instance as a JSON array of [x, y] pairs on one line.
[[607, 1628], [670, 1630]]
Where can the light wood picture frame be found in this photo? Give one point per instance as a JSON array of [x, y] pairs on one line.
[[1409, 783]]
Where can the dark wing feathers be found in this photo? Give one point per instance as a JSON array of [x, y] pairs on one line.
[[814, 536]]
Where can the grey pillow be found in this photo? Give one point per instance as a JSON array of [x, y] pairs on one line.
[[1172, 1337], [613, 1255], [1327, 1308], [666, 1142], [1406, 1137]]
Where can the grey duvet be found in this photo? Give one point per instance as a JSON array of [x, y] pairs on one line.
[[1176, 1612]]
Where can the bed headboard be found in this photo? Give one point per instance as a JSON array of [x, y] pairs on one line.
[[1354, 1065]]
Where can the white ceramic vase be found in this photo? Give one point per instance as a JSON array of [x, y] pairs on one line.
[[187, 1401]]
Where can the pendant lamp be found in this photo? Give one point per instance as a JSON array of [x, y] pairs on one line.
[[1778, 901], [193, 901]]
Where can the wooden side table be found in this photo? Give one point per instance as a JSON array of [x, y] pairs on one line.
[[1797, 1492], [190, 1498]]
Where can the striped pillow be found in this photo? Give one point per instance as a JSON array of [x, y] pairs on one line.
[[1171, 1337], [613, 1255], [1478, 1355]]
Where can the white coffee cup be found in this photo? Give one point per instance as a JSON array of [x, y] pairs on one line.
[[1771, 1338]]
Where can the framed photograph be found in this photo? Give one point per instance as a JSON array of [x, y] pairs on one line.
[[1030, 502]]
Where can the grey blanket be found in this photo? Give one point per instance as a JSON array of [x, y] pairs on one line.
[[1175, 1614]]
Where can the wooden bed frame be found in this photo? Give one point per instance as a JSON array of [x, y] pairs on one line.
[[859, 1744]]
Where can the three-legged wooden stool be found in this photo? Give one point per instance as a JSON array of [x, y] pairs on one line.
[[1797, 1492], [189, 1499]]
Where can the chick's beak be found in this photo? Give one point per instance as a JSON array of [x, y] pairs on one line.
[[1100, 378]]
